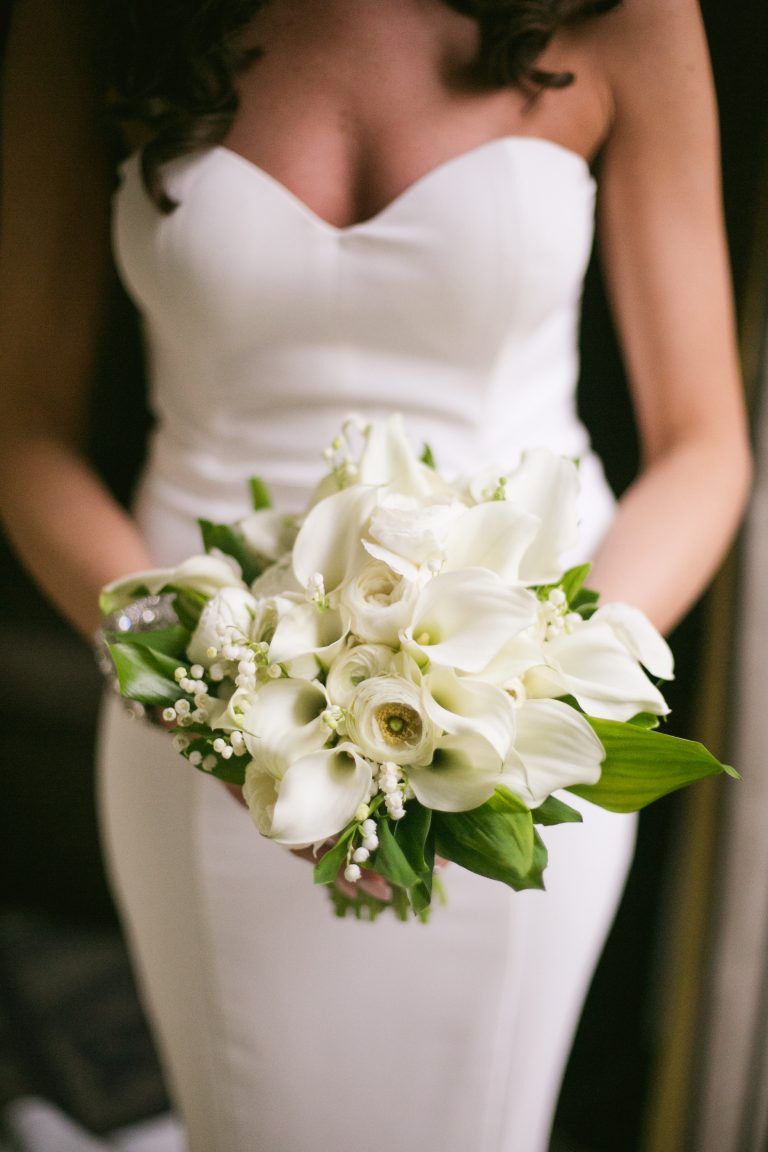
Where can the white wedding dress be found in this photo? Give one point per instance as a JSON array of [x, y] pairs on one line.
[[280, 1027]]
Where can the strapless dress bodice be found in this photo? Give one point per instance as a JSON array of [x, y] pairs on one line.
[[265, 326]]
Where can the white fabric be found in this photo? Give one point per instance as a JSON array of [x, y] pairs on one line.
[[282, 1028]]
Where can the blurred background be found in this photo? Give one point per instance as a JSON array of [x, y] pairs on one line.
[[672, 1052]]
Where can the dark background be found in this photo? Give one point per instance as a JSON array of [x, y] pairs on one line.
[[70, 1024]]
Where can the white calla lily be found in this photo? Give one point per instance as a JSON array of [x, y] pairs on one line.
[[307, 629], [284, 721], [318, 795], [378, 603], [260, 794], [463, 773], [517, 657], [495, 535], [329, 540], [592, 664], [268, 532], [639, 636], [388, 458], [354, 665], [546, 486], [554, 747], [204, 574], [463, 619], [386, 719], [228, 617], [456, 703]]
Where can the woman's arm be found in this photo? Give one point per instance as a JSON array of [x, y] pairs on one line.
[[54, 230], [666, 266]]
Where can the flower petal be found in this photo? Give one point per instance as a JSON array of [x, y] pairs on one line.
[[496, 535], [546, 485], [308, 630], [284, 721], [554, 747], [205, 574], [463, 619], [635, 630], [463, 774], [319, 794], [455, 703], [388, 458], [329, 540]]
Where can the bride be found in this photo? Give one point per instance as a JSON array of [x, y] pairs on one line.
[[386, 207]]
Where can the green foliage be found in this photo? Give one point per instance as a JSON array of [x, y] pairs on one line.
[[145, 674], [427, 457], [260, 495], [228, 540], [573, 580], [497, 840], [642, 765], [188, 604], [412, 836], [554, 811], [231, 771], [327, 868], [171, 641]]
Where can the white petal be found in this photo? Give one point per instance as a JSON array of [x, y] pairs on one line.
[[329, 540], [284, 721], [495, 535], [388, 458], [599, 671], [205, 574], [463, 619], [515, 659], [226, 617], [397, 563], [260, 794], [635, 630], [546, 486], [464, 772], [319, 795], [455, 703], [554, 747], [268, 532], [307, 630]]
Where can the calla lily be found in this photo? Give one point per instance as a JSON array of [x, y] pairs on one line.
[[592, 664], [554, 747], [284, 721], [227, 617], [639, 636], [463, 619], [463, 773], [329, 540], [308, 630], [388, 458], [456, 703], [268, 532], [204, 574], [547, 486], [318, 795], [495, 535]]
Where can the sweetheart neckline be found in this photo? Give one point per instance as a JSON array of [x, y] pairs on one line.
[[412, 189]]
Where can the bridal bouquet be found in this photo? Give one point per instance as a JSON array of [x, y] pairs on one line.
[[406, 670]]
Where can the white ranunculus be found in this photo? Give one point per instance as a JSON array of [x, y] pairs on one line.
[[228, 617], [386, 718], [592, 664], [354, 665], [456, 703], [308, 630], [268, 532], [204, 574], [329, 541], [463, 619], [407, 533], [283, 722], [463, 773], [554, 747], [378, 603], [315, 799]]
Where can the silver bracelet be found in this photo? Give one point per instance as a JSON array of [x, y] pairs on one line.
[[144, 615]]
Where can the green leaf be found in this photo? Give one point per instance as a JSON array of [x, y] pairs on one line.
[[573, 580], [644, 720], [327, 868], [172, 641], [390, 861], [585, 602], [232, 771], [188, 605], [554, 811], [260, 495], [411, 834], [144, 674], [495, 840], [228, 540], [643, 765], [427, 457]]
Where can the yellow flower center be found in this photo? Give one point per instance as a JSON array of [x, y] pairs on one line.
[[399, 724]]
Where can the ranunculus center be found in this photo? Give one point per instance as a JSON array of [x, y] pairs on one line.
[[399, 724]]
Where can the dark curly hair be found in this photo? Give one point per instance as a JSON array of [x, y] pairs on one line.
[[171, 64]]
